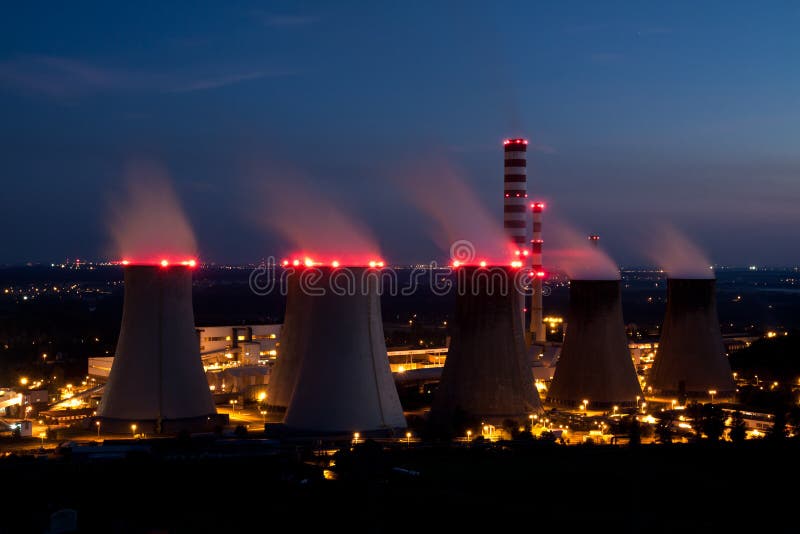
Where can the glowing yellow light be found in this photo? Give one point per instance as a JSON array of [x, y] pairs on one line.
[[23, 381]]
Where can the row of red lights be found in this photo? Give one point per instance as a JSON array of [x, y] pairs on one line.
[[166, 263], [308, 262], [515, 264], [515, 142]]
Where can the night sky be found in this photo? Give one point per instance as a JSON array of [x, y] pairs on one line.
[[639, 114]]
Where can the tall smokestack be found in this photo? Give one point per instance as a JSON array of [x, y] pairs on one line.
[[337, 378], [487, 375], [515, 193], [691, 357], [157, 380], [537, 331], [595, 364]]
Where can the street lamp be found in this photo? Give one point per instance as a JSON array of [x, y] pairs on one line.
[[712, 392], [469, 435], [263, 416], [262, 396], [531, 419], [637, 401], [644, 405], [585, 402], [97, 424], [615, 409], [43, 435], [408, 438], [674, 402], [133, 429]]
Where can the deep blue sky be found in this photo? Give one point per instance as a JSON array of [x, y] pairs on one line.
[[687, 112]]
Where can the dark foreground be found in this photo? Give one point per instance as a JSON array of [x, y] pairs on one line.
[[258, 486]]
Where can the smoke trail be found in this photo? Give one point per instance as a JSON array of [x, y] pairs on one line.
[[457, 213], [673, 251], [146, 221], [312, 225], [571, 251]]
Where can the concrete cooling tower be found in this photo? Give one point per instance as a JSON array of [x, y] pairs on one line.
[[487, 375], [333, 372], [157, 380], [595, 364], [691, 358]]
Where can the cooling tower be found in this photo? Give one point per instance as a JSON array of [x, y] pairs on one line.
[[293, 344], [336, 376], [487, 375], [157, 380], [691, 357], [595, 364]]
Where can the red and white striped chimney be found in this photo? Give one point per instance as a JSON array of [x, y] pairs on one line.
[[537, 331], [515, 193]]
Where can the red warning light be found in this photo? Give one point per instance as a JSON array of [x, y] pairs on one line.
[[372, 264], [516, 264], [125, 262], [296, 263], [335, 263], [309, 262], [516, 252], [380, 264], [164, 263], [540, 274], [483, 264], [456, 263], [285, 263], [525, 252], [193, 263]]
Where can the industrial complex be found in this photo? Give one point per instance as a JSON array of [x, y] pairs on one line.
[[327, 371]]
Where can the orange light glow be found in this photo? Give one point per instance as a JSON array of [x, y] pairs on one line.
[[192, 263], [296, 263], [524, 252], [164, 263], [380, 264], [456, 263], [125, 262], [483, 264], [335, 263], [516, 252], [516, 263], [285, 263], [540, 274], [372, 264]]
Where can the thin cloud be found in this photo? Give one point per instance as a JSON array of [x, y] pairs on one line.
[[222, 81], [64, 77], [284, 20]]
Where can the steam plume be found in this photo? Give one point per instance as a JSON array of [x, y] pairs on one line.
[[440, 194], [147, 223], [671, 250], [571, 251]]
